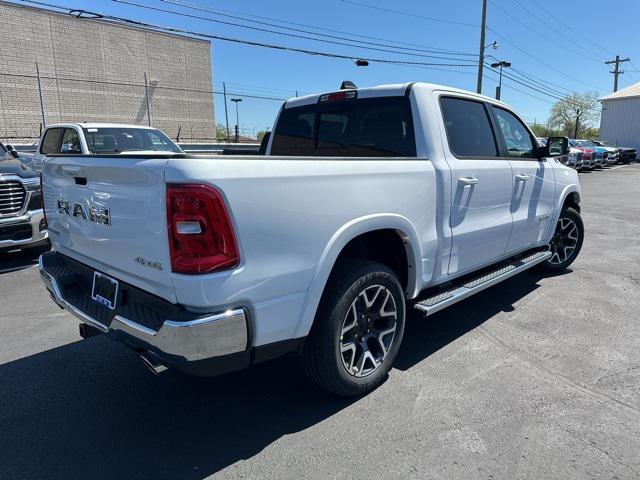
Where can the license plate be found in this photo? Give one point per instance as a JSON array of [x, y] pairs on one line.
[[105, 290]]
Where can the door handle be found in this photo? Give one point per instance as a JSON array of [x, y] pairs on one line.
[[522, 177], [468, 181]]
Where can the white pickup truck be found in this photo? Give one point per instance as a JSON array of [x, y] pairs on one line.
[[368, 201], [96, 139]]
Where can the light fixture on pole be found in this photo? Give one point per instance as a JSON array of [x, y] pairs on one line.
[[500, 64], [237, 101]]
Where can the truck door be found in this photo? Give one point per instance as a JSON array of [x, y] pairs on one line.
[[533, 183], [480, 209]]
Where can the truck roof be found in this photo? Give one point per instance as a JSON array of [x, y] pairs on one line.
[[99, 125], [389, 90]]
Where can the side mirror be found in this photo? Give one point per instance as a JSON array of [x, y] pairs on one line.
[[556, 147], [12, 151]]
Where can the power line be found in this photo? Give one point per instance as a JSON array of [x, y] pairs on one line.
[[518, 90], [567, 26], [244, 18], [142, 86], [549, 26], [514, 45], [534, 88], [324, 29], [101, 17], [413, 15], [542, 35], [537, 81], [293, 35]]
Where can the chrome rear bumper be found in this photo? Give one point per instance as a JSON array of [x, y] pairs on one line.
[[199, 338]]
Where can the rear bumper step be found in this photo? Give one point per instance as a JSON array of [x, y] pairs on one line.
[[176, 340], [456, 293]]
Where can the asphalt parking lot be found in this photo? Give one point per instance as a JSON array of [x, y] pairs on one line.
[[538, 377]]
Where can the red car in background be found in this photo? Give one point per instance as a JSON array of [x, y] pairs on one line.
[[588, 154]]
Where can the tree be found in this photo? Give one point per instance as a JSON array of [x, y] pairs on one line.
[[260, 135], [575, 112], [221, 132]]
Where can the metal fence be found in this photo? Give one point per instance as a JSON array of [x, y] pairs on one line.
[[28, 102]]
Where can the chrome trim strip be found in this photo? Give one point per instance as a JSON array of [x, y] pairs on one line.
[[462, 292], [209, 319], [136, 326]]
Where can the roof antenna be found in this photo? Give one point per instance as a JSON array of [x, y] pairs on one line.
[[348, 85]]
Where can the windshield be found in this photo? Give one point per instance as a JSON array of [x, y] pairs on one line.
[[585, 143], [122, 139]]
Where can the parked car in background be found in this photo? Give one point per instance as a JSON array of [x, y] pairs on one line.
[[22, 222], [612, 152], [102, 139], [206, 265], [600, 154], [588, 154], [574, 158], [625, 154]]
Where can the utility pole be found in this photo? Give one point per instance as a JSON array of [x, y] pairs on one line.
[[482, 47], [616, 70], [146, 95], [44, 123], [226, 115]]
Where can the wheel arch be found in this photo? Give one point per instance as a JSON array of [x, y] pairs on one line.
[[569, 196], [343, 240], [572, 199]]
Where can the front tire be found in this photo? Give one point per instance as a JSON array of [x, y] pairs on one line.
[[566, 242], [357, 330]]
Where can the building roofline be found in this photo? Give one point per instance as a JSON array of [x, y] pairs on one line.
[[104, 21]]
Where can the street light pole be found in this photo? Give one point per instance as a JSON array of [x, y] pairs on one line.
[[500, 64], [237, 101]]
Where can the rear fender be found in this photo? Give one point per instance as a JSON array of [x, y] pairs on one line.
[[340, 239]]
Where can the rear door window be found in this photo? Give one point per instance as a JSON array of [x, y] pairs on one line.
[[469, 131], [374, 127]]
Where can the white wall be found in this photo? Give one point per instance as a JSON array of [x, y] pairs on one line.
[[620, 122]]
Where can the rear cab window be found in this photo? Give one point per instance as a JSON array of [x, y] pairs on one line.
[[368, 127]]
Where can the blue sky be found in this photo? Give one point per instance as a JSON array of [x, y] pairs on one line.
[[572, 37]]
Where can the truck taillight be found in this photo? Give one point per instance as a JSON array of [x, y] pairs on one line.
[[201, 237]]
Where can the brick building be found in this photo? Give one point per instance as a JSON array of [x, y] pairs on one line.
[[93, 70]]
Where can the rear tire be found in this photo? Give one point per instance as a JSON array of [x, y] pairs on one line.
[[566, 242], [357, 330]]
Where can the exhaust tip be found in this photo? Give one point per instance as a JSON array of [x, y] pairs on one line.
[[152, 364]]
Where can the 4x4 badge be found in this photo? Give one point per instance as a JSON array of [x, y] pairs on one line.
[[148, 263]]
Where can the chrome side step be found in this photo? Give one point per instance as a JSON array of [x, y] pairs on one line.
[[456, 293]]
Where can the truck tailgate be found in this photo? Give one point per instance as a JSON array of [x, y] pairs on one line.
[[110, 213]]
